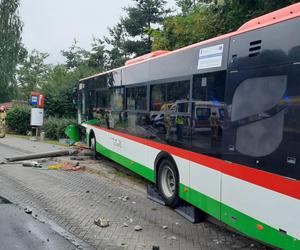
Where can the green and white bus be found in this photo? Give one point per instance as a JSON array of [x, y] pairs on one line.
[[216, 124]]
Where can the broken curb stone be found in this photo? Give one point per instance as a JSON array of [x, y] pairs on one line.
[[102, 222], [28, 211], [138, 228]]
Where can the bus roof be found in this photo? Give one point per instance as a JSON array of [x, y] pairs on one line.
[[277, 16]]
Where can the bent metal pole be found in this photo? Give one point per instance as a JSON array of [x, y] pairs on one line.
[[41, 155]]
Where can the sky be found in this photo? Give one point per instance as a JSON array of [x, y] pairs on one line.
[[51, 25]]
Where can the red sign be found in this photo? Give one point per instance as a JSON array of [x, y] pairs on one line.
[[40, 99]]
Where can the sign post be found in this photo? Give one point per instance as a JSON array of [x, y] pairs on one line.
[[37, 102]]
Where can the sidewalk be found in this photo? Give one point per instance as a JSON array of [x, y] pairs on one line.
[[27, 146]]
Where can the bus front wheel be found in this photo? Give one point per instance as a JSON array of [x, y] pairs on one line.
[[93, 147], [168, 182]]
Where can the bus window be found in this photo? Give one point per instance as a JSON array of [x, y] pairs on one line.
[[209, 87], [166, 94], [103, 98], [116, 99], [136, 98]]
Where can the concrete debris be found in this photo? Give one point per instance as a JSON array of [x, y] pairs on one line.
[[133, 202], [217, 241], [79, 158], [28, 211], [138, 228], [85, 153], [32, 164], [172, 238], [125, 198], [102, 222], [129, 219], [165, 227], [125, 224], [70, 167]]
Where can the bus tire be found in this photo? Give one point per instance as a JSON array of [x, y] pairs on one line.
[[93, 147], [168, 182]]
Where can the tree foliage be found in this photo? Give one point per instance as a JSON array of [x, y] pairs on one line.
[[117, 55], [10, 47], [132, 35], [18, 119], [33, 73], [201, 20]]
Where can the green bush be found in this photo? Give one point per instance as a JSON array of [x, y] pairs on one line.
[[18, 119], [54, 127]]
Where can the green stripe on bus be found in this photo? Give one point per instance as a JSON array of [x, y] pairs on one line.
[[133, 166], [249, 226], [205, 203], [237, 220]]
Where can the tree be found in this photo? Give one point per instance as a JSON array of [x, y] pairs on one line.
[[181, 30], [58, 91], [75, 56], [117, 53], [10, 47], [97, 57], [201, 20], [140, 22], [32, 73]]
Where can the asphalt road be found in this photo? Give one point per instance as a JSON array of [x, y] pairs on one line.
[[21, 231]]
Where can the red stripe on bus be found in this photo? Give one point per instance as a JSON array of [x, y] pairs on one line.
[[261, 178]]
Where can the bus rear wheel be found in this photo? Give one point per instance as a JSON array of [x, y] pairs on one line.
[[168, 183]]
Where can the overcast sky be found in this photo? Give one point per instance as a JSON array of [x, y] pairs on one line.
[[51, 25]]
